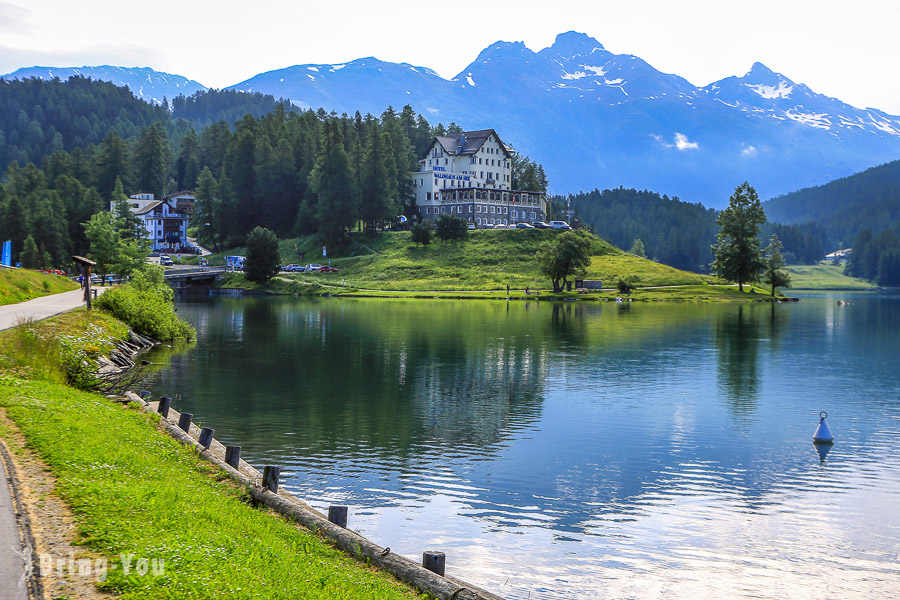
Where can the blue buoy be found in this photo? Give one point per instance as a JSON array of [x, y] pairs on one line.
[[823, 434]]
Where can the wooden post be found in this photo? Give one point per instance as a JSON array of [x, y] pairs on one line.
[[184, 422], [164, 403], [434, 562], [338, 515], [270, 478], [206, 437], [233, 457]]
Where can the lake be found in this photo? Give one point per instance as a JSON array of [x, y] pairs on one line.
[[575, 450]]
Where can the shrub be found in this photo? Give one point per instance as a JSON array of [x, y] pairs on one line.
[[421, 234], [145, 305], [449, 227]]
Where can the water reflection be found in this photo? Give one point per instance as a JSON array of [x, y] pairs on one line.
[[739, 336], [597, 440]]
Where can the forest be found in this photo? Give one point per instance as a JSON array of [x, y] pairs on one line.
[[255, 160], [75, 143], [676, 233]]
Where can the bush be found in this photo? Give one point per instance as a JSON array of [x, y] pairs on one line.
[[145, 305], [421, 234], [263, 258], [449, 227]]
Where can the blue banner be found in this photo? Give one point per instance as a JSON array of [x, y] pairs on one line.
[[6, 259]]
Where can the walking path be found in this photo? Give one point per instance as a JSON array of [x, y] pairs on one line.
[[13, 584], [43, 307], [12, 552]]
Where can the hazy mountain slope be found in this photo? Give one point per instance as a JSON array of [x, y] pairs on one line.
[[145, 83]]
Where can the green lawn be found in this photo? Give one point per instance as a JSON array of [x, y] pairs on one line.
[[18, 285], [824, 277], [487, 260], [136, 491]]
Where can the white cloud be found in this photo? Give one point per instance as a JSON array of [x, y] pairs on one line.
[[749, 151], [682, 142]]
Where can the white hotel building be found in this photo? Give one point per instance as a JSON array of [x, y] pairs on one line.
[[468, 175]]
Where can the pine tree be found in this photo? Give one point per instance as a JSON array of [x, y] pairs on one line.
[[111, 164], [31, 256], [187, 165], [207, 213], [151, 161], [262, 256], [332, 183], [775, 273], [737, 251]]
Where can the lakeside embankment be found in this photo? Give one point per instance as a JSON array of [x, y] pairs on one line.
[[149, 519], [480, 267]]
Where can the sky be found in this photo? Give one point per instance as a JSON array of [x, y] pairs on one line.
[[848, 50]]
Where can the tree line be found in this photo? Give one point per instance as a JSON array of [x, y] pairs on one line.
[[290, 171], [876, 257], [674, 232]]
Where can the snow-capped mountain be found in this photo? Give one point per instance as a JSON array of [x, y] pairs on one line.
[[593, 118], [598, 119], [144, 82]]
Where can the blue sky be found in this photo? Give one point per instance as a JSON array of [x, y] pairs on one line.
[[842, 49]]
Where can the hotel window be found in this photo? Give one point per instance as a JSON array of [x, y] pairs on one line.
[[515, 215], [533, 215], [428, 195]]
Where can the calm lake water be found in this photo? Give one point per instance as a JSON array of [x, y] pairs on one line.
[[575, 450]]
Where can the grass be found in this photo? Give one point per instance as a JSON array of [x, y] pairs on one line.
[[135, 491], [61, 349], [19, 285], [480, 267], [825, 276]]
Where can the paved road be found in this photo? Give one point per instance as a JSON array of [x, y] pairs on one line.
[[41, 308], [12, 563]]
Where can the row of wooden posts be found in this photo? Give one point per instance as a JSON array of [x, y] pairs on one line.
[[433, 561]]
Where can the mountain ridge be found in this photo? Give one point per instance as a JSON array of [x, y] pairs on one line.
[[597, 119]]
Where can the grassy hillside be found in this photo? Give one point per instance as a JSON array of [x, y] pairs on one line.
[[18, 285], [824, 277], [487, 260]]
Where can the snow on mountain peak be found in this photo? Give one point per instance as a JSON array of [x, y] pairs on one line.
[[770, 92]]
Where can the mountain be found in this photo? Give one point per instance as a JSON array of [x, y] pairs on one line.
[[596, 119], [145, 83], [844, 207]]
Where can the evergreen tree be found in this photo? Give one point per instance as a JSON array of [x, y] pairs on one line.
[[14, 226], [151, 161], [775, 274], [375, 191], [737, 251], [32, 257], [637, 248], [207, 210], [131, 225], [187, 165], [112, 164], [105, 239], [332, 183]]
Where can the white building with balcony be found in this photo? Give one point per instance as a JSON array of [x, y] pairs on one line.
[[469, 175]]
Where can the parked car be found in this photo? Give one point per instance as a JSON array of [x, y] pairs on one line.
[[291, 268], [559, 225], [165, 261], [312, 268], [540, 225], [488, 225], [327, 269], [470, 226], [524, 226]]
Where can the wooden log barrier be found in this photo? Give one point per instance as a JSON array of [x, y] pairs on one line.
[[404, 569], [338, 515]]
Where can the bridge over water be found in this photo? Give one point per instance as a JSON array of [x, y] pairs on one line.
[[193, 276]]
